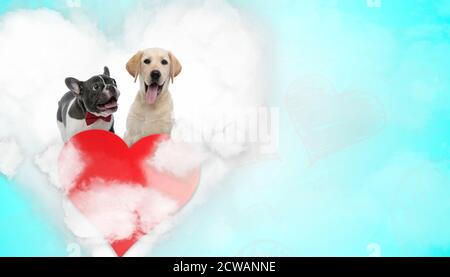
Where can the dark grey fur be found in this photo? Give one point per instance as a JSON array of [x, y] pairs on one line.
[[87, 99]]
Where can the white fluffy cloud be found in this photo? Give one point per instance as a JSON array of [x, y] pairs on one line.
[[222, 69], [178, 158], [48, 163], [10, 157], [118, 210]]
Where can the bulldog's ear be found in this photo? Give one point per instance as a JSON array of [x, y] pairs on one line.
[[106, 71], [175, 66], [134, 65], [74, 85]]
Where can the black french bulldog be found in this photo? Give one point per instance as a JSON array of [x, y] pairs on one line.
[[88, 105]]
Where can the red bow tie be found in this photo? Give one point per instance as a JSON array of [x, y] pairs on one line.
[[92, 118]]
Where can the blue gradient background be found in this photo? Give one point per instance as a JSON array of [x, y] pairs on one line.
[[391, 190]]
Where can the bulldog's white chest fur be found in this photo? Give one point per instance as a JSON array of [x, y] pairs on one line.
[[75, 126]]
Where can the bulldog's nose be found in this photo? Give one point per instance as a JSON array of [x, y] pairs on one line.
[[155, 74], [111, 89], [113, 92]]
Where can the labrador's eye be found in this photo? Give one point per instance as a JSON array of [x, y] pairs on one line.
[[147, 61], [95, 87], [164, 62]]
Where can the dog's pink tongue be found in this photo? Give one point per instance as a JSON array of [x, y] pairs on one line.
[[151, 94]]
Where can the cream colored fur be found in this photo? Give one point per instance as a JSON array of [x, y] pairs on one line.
[[145, 119]]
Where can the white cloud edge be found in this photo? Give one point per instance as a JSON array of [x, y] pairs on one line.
[[11, 157]]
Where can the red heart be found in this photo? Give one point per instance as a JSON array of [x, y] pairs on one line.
[[104, 156]]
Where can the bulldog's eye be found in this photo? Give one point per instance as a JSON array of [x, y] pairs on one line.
[[147, 61], [113, 81], [164, 62], [95, 87]]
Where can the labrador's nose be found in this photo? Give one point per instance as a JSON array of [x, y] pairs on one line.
[[155, 74]]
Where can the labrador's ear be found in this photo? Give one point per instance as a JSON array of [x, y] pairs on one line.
[[106, 71], [74, 85], [175, 66], [134, 65]]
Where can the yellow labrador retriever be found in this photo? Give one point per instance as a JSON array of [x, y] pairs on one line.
[[151, 112]]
